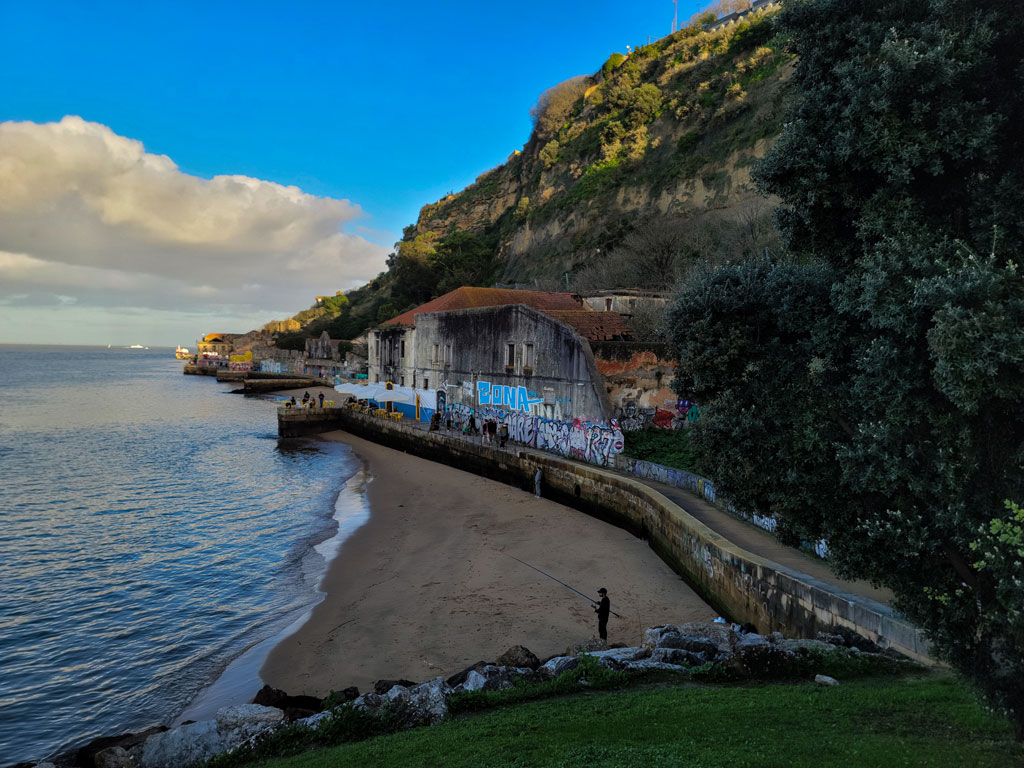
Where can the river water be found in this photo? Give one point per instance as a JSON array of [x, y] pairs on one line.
[[152, 528]]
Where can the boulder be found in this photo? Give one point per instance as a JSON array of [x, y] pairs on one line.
[[653, 635], [183, 745], [698, 645], [114, 757], [398, 696], [383, 686], [314, 721], [722, 635], [368, 701], [518, 656], [491, 677], [428, 702], [750, 640], [622, 655], [831, 638], [128, 741], [677, 656], [760, 661], [593, 644], [650, 665], [348, 694], [825, 680], [556, 666], [803, 645], [294, 707], [460, 677]]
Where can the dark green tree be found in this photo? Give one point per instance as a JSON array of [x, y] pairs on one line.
[[870, 388]]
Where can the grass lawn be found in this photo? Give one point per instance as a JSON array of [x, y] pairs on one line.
[[927, 720]]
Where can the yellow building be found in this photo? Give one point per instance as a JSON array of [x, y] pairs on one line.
[[216, 344]]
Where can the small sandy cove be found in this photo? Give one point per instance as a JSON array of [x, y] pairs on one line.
[[427, 587]]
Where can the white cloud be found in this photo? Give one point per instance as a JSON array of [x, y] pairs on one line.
[[90, 216]]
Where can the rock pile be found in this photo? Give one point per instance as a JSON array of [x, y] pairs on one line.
[[673, 649]]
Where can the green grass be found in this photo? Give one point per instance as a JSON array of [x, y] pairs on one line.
[[891, 722]]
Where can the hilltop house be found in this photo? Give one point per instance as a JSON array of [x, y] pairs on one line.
[[220, 344], [507, 349]]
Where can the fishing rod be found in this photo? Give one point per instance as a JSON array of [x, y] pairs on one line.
[[538, 570]]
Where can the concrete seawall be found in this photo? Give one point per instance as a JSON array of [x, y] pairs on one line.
[[738, 583]]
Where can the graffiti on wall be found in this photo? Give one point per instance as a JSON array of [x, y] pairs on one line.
[[513, 398], [594, 442], [677, 415]]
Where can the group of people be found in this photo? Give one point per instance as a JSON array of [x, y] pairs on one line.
[[308, 401], [471, 424]]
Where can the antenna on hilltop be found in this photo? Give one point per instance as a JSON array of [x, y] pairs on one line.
[[675, 17]]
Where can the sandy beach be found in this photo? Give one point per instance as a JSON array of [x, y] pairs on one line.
[[428, 586]]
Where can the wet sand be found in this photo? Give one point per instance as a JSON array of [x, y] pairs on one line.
[[428, 586]]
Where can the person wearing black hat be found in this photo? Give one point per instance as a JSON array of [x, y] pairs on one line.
[[602, 610]]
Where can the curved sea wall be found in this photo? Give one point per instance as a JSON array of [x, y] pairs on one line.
[[741, 585]]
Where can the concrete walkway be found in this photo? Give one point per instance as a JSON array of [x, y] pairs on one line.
[[743, 534]]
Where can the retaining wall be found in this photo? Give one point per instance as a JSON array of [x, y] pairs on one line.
[[739, 584]]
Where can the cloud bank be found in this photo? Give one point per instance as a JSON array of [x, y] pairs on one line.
[[88, 218]]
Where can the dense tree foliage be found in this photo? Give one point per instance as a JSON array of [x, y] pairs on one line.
[[870, 389]]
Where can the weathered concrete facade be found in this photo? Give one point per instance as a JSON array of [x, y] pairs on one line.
[[741, 585]]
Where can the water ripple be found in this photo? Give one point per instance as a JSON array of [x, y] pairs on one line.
[[151, 527]]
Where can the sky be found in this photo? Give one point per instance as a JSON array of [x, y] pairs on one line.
[[169, 170]]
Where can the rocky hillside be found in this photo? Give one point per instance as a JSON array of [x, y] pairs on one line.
[[630, 175], [663, 137]]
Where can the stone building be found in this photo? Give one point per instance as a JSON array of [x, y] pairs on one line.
[[512, 350]]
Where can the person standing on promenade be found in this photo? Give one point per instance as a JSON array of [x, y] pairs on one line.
[[321, 396], [602, 610]]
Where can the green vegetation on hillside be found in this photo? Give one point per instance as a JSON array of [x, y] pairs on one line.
[[876, 723], [868, 388], [668, 447]]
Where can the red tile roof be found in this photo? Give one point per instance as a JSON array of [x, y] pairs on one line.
[[470, 298], [595, 326], [566, 307]]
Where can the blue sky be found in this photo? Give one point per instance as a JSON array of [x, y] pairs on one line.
[[388, 106]]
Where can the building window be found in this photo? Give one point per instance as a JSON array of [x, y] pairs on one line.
[[607, 305], [401, 381], [426, 383], [377, 378], [632, 303], [510, 355], [528, 356], [376, 353], [448, 354], [403, 348], [437, 348]]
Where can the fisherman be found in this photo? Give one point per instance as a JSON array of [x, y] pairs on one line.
[[602, 610], [321, 396], [305, 397]]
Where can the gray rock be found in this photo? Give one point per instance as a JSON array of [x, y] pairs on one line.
[[677, 656], [475, 681], [368, 702], [798, 645], [750, 640], [653, 635], [760, 661], [314, 721], [114, 757], [825, 680], [593, 644], [428, 702], [518, 656], [649, 665], [699, 645], [183, 745], [622, 654], [722, 635], [776, 637], [45, 765], [398, 696], [831, 638], [556, 666]]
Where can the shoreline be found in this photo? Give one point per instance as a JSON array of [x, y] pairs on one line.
[[240, 680], [405, 599]]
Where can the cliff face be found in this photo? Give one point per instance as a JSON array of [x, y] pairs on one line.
[[668, 132]]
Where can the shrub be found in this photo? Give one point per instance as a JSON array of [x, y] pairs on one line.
[[613, 63]]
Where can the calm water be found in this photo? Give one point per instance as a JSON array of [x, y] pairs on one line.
[[152, 527]]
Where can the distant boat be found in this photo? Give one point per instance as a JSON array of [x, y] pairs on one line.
[[182, 352], [137, 346]]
